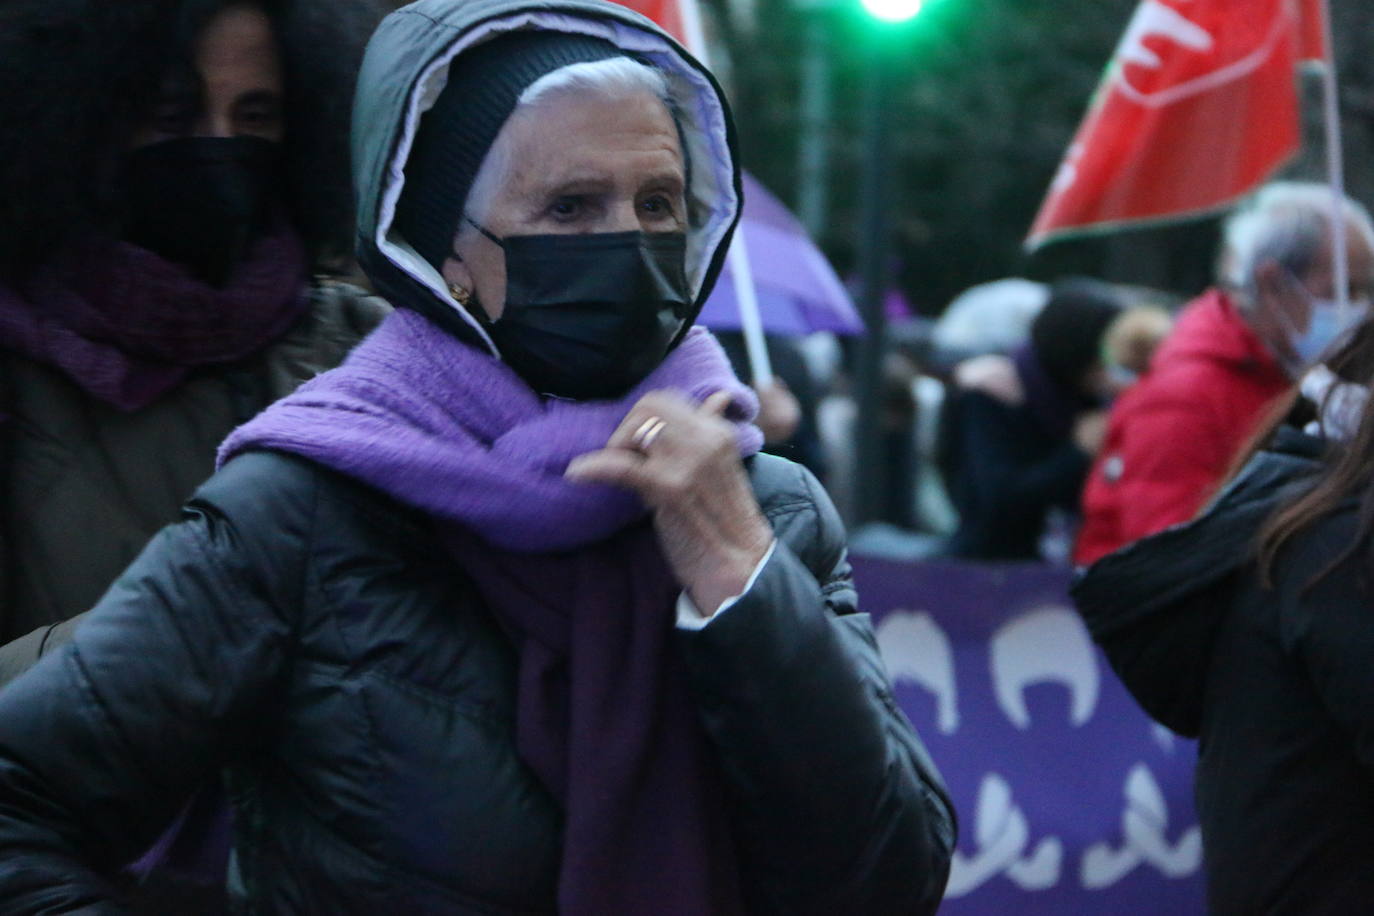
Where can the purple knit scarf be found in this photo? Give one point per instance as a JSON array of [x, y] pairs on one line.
[[128, 326], [572, 571]]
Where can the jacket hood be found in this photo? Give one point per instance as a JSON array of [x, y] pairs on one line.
[[406, 66], [1211, 327], [1155, 605]]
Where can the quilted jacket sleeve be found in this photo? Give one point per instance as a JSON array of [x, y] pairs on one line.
[[837, 806], [21, 654], [165, 680]]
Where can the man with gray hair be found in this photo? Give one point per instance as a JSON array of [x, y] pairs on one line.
[[1233, 352]]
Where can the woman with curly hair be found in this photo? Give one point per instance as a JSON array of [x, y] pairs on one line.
[[172, 174]]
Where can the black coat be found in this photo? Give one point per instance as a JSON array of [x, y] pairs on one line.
[[308, 635], [1276, 684], [1006, 471]]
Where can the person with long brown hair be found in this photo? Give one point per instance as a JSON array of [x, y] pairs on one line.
[[174, 215], [1252, 628]]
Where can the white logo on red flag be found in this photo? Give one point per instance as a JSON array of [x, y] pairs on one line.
[[1198, 107], [1201, 54], [1159, 21]]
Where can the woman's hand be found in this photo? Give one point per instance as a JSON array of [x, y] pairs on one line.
[[684, 463]]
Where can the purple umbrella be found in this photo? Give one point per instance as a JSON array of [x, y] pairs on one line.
[[798, 291]]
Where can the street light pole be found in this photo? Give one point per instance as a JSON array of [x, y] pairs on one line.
[[813, 152], [870, 472]]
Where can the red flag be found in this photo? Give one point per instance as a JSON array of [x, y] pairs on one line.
[[670, 16], [1198, 106]]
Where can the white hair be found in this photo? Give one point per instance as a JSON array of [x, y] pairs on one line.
[[613, 77], [1286, 222]]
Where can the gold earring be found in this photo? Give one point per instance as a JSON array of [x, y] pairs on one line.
[[459, 293]]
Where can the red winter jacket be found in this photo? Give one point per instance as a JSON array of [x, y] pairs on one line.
[[1172, 436]]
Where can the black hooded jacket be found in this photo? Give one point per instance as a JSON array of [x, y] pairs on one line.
[[1275, 683], [307, 635]]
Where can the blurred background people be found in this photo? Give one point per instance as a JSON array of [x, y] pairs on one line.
[[173, 184], [1020, 430], [1131, 341], [992, 317], [787, 407], [1251, 628], [1234, 351]]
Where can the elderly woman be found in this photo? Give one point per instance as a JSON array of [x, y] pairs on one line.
[[494, 618]]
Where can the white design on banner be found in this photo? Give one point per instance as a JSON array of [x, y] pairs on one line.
[[1049, 645], [1003, 835], [1143, 825], [1153, 19], [1163, 737], [917, 650]]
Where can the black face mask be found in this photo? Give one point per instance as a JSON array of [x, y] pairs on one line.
[[589, 316], [200, 201]]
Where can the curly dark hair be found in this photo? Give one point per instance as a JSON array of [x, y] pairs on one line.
[[78, 76]]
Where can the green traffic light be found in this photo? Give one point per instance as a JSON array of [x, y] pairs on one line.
[[893, 10]]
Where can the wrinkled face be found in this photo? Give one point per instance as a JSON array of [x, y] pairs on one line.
[[1283, 307], [583, 163], [237, 90]]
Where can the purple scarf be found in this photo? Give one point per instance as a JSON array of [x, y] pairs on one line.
[[128, 326], [572, 571]]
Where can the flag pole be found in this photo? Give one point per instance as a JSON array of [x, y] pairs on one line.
[[746, 297], [741, 272], [1335, 164]]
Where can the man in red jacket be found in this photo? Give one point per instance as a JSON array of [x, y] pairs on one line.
[[1232, 354]]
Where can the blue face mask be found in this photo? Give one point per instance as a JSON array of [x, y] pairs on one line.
[[1325, 325]]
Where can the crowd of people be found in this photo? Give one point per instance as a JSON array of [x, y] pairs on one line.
[[1074, 418], [381, 534]]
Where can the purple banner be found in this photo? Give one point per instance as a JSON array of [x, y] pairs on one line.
[[1070, 800]]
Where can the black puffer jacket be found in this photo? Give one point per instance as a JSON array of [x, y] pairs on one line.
[[307, 633], [1274, 682]]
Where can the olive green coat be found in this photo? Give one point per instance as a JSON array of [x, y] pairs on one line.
[[86, 485]]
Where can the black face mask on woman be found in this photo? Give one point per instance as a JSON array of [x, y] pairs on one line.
[[588, 316], [200, 201]]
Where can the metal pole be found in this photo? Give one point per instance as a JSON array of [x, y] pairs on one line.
[[1335, 167], [870, 472], [747, 300], [741, 274]]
